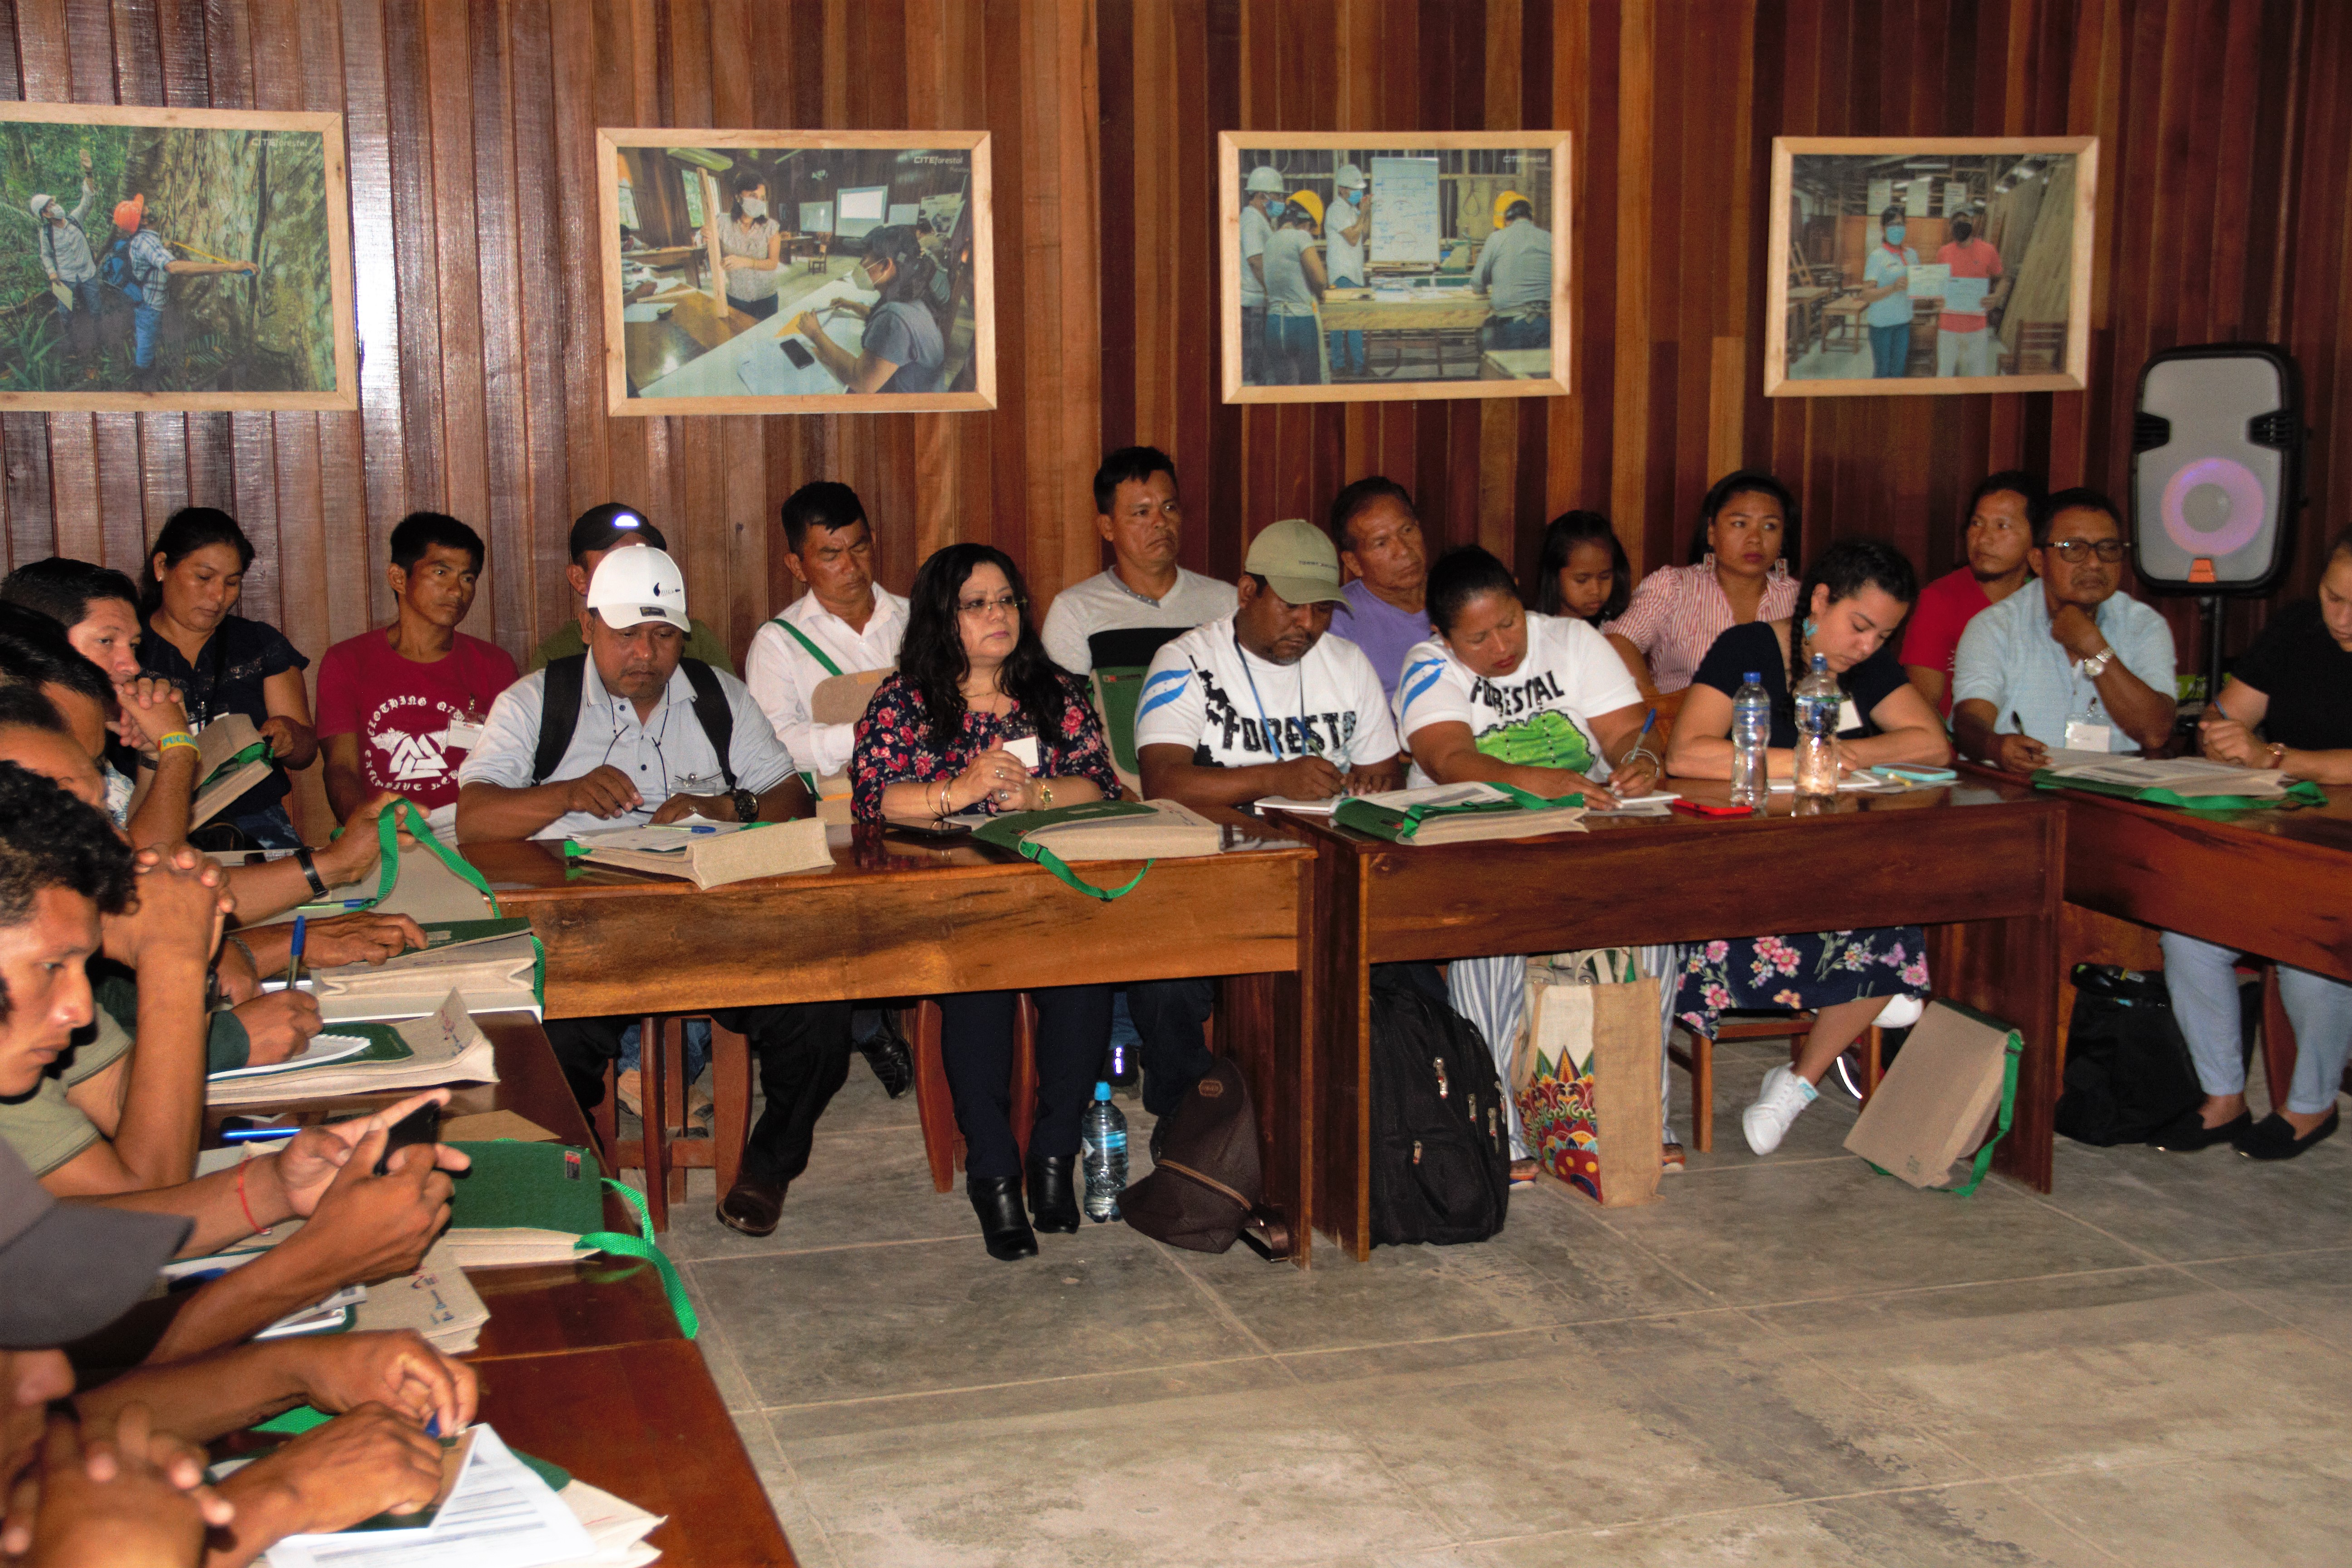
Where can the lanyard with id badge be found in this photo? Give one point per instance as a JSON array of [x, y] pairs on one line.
[[2087, 729]]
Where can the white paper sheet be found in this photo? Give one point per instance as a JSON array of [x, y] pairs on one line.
[[499, 1515], [320, 1050]]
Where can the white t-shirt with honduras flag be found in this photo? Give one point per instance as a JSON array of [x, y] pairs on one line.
[[1233, 710], [1539, 715]]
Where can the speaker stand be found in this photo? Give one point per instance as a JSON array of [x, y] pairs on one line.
[[2209, 610]]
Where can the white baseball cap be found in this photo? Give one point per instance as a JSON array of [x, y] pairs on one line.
[[634, 586]]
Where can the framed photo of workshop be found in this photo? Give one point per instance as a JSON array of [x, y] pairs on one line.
[[163, 260], [1360, 266], [1912, 265], [797, 272]]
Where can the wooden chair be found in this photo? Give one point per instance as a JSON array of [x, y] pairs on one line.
[[1841, 326], [661, 1151], [936, 1107], [1699, 1060], [2040, 349]]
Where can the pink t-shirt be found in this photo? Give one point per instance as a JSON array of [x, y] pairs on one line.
[[1976, 258], [401, 710], [1932, 635]]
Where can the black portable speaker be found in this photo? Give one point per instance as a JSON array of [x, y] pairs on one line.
[[2216, 460]]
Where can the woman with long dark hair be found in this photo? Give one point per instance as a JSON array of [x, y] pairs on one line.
[[939, 737], [905, 348], [1583, 574], [1852, 600], [1738, 576], [225, 663]]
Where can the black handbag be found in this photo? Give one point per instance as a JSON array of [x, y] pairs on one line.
[[2128, 1073]]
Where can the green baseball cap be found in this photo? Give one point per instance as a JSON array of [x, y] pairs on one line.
[[1298, 560]]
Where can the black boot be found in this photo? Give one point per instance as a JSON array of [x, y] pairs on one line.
[[1051, 1203], [1003, 1224], [886, 1052]]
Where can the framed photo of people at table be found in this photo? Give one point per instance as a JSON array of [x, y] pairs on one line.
[[1358, 267], [797, 272], [1915, 265]]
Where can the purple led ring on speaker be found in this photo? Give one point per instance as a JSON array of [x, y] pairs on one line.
[[2236, 481]]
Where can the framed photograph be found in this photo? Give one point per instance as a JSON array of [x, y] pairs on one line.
[[1359, 267], [797, 272], [1919, 265], [174, 258]]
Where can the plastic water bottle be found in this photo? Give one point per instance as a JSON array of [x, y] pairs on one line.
[[1751, 732], [1102, 1148], [1817, 700]]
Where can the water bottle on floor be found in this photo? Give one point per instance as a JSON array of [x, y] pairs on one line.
[[1751, 732], [1102, 1151], [1817, 700]]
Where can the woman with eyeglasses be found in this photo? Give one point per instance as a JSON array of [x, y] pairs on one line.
[[2072, 662], [904, 348], [974, 695]]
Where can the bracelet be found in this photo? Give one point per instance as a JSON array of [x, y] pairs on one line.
[[241, 1202], [943, 798], [1657, 760], [178, 738], [310, 864], [247, 951]]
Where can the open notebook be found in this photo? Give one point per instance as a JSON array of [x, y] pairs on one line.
[[444, 1047], [493, 964]]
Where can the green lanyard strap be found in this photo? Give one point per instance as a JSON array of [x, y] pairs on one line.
[[642, 1245], [1060, 867], [403, 814], [256, 752], [801, 637]]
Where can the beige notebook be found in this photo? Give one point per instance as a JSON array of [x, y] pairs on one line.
[[2184, 776], [447, 1047], [217, 744], [492, 975], [841, 698], [712, 853], [1170, 832]]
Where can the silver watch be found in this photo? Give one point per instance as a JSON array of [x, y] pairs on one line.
[[2097, 665]]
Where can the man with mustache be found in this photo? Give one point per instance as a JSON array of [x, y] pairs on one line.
[[1137, 511], [633, 732]]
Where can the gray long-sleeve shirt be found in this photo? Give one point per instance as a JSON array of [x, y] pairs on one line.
[[65, 248]]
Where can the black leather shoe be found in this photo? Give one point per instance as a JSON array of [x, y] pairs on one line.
[[753, 1206], [2186, 1133], [2273, 1137], [1003, 1225], [1053, 1206], [887, 1054]]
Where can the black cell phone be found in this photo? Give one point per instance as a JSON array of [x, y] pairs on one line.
[[422, 1125], [802, 359]]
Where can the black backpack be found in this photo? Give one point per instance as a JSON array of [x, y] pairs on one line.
[[1441, 1142], [559, 713], [2128, 1073]]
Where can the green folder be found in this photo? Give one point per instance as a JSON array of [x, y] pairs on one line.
[[536, 1186]]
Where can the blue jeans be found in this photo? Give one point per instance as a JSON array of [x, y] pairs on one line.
[[1347, 347], [90, 299], [146, 327], [1890, 350], [1290, 350], [1516, 332], [1254, 372], [698, 1048], [2203, 980]]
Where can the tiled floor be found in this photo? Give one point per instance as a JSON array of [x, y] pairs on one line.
[[1790, 1361]]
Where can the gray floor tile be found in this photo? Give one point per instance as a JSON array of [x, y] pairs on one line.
[[2312, 1290], [2212, 1203], [2251, 1512], [785, 1495]]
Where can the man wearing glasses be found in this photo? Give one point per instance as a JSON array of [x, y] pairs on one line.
[[632, 734], [2072, 663]]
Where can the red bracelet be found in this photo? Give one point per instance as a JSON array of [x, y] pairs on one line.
[[257, 1227]]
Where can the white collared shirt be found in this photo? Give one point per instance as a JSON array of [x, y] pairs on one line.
[[782, 674], [665, 754]]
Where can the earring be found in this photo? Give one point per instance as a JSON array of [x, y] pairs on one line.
[[1809, 624]]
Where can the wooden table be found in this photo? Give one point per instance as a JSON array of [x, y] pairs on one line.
[[899, 916], [1514, 364], [1978, 860]]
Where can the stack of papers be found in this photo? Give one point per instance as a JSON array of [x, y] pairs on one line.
[[320, 1050], [438, 1301], [422, 1053], [495, 1513], [618, 1528], [494, 965], [710, 853], [2184, 776]]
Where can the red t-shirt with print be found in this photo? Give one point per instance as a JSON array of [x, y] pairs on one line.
[[401, 710]]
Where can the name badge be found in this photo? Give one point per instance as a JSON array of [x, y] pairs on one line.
[[1849, 716], [463, 735], [2087, 737], [1026, 749]]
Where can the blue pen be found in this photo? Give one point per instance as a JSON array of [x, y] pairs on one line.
[[294, 958], [256, 1134]]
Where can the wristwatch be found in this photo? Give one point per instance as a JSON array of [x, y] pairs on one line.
[[2097, 665], [747, 806]]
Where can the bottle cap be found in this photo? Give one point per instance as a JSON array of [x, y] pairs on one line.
[[1821, 662], [1102, 1091], [1756, 678]]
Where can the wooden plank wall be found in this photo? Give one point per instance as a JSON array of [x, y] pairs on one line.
[[2227, 131], [2228, 127]]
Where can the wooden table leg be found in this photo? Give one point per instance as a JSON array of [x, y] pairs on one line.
[[730, 1088], [933, 1105]]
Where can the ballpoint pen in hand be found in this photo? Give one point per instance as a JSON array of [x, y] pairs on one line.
[[294, 955]]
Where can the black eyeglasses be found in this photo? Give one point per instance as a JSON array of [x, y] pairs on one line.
[[1013, 602], [2075, 551]]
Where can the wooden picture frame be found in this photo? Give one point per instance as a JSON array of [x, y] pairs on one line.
[[697, 350], [1432, 244], [267, 193], [2033, 199]]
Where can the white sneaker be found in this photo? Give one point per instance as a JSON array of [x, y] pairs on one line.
[[1900, 1013], [1778, 1104]]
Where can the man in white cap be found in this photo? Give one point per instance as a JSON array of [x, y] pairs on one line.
[[1262, 192], [633, 732], [1259, 703], [1347, 225], [72, 269]]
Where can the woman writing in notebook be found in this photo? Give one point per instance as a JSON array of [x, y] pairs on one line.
[[978, 718]]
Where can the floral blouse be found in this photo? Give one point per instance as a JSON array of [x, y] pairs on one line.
[[894, 744]]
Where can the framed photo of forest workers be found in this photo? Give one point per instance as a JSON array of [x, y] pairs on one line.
[[153, 260]]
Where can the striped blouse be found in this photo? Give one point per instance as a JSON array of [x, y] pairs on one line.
[[1679, 611]]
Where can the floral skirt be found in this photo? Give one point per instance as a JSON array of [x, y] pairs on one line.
[[1811, 970]]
